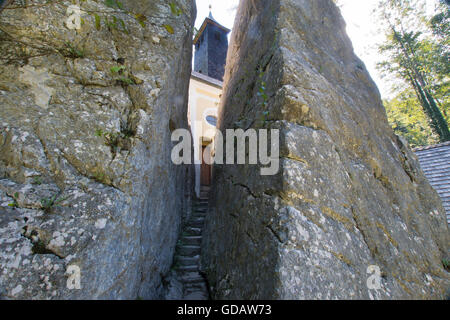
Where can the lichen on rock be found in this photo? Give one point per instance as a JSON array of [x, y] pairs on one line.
[[85, 164], [349, 195]]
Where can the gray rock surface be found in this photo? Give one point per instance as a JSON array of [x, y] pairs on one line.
[[349, 193], [85, 123]]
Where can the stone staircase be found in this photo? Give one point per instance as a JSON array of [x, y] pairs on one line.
[[187, 254]]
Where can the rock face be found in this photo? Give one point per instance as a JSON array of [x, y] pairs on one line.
[[349, 193], [86, 183]]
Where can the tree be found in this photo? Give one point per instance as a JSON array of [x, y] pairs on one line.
[[407, 118], [417, 53]]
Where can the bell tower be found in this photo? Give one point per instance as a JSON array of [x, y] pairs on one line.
[[211, 46]]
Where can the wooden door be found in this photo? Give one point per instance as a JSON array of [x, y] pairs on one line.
[[205, 171]]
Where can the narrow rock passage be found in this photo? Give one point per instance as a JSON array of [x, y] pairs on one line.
[[187, 255]]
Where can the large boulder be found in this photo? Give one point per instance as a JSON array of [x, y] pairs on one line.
[[350, 214], [90, 203]]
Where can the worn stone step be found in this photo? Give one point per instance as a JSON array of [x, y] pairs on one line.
[[191, 231], [184, 261], [199, 215], [196, 295], [185, 250], [196, 222], [192, 277], [194, 287], [197, 240], [190, 268]]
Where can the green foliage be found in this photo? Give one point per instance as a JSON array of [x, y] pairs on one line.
[[408, 119], [71, 51], [169, 28], [263, 95], [98, 22], [446, 264], [112, 22], [417, 51], [37, 180], [99, 133], [99, 176], [14, 204], [115, 23], [48, 203], [141, 19], [114, 4], [117, 69], [175, 9], [121, 75], [126, 81], [115, 139]]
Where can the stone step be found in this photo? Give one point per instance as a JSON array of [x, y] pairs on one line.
[[189, 240], [192, 277], [196, 222], [184, 261], [202, 213], [200, 210], [198, 215], [196, 295], [191, 287], [197, 219], [191, 268], [188, 251], [195, 286], [191, 231], [201, 207]]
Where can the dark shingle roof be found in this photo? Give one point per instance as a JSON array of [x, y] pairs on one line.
[[208, 80], [435, 163]]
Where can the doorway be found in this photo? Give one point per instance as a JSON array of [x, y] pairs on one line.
[[205, 169]]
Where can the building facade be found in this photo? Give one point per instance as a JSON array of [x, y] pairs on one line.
[[205, 91]]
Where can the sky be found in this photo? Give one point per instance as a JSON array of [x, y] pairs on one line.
[[361, 27]]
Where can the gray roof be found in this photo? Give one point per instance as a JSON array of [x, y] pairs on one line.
[[206, 79], [435, 163]]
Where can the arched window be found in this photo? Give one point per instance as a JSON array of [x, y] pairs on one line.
[[211, 120]]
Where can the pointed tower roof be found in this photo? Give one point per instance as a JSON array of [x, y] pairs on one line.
[[209, 20], [210, 13]]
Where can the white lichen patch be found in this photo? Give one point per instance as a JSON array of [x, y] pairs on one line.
[[57, 242], [101, 223], [155, 92], [35, 79], [16, 290]]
